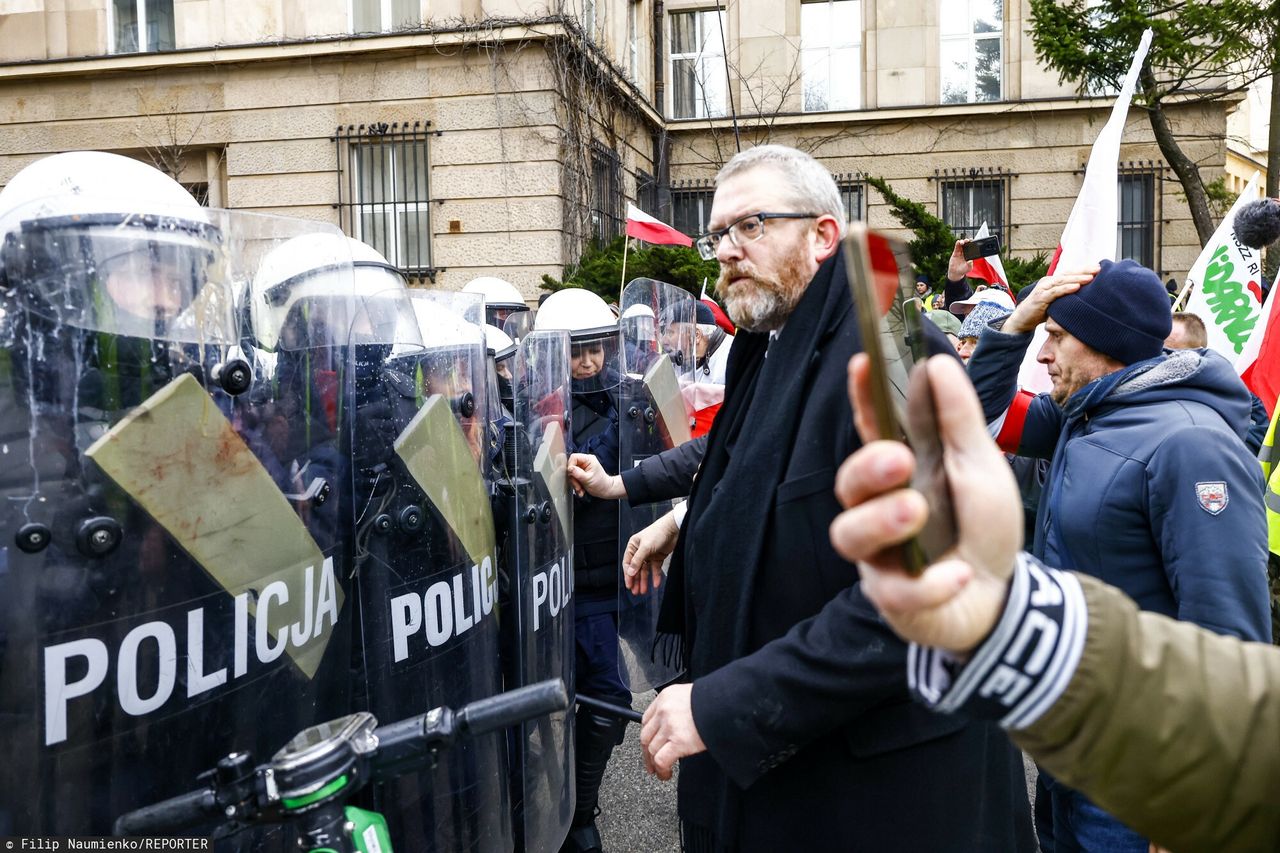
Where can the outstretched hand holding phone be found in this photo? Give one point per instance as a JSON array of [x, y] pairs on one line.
[[956, 601]]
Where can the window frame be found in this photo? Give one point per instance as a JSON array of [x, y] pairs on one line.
[[606, 200], [831, 48], [971, 39], [702, 193], [1148, 230], [974, 179], [633, 40], [140, 27], [646, 192], [386, 18], [401, 141], [700, 59], [853, 186]]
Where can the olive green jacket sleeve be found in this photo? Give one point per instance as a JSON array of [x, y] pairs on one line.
[[1171, 728]]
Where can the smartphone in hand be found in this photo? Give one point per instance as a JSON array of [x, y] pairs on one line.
[[890, 320], [984, 247]]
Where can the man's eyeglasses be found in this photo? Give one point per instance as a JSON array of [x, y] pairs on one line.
[[748, 229]]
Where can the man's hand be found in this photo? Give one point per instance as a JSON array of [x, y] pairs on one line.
[[1033, 310], [646, 552], [956, 602], [957, 267], [668, 733], [587, 475]]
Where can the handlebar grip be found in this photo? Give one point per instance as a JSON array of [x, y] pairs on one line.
[[186, 810], [513, 707]]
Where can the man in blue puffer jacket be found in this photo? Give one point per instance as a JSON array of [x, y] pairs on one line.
[[1150, 487]]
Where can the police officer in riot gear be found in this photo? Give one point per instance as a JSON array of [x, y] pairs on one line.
[[153, 567], [501, 349], [501, 299], [593, 334]]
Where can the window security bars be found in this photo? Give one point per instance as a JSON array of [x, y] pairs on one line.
[[384, 195], [969, 197]]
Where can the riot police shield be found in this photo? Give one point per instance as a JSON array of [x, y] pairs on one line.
[[519, 324], [658, 366], [171, 589], [426, 567], [540, 571]]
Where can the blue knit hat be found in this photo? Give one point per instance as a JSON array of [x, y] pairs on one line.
[[1123, 313]]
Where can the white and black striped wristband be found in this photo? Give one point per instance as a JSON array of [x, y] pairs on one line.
[[1024, 666]]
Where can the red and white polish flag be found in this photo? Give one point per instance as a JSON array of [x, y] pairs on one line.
[[642, 226], [990, 270]]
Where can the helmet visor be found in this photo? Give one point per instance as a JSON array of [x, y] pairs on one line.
[[152, 277]]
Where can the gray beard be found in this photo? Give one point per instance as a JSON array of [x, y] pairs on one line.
[[761, 311]]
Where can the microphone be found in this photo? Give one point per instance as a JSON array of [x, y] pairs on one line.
[[1257, 224]]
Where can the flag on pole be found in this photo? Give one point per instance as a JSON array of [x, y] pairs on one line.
[[1090, 232], [1225, 284], [722, 319], [642, 226], [1259, 362], [990, 270]]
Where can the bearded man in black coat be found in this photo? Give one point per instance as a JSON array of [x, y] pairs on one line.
[[795, 729]]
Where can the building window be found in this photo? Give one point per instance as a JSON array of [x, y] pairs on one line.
[[381, 16], [606, 194], [1137, 224], [853, 195], [633, 40], [970, 197], [140, 26], [698, 86], [646, 193], [384, 192], [971, 55], [691, 206], [831, 54]]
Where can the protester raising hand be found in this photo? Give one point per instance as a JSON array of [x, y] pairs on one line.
[[958, 266], [955, 604], [1033, 310]]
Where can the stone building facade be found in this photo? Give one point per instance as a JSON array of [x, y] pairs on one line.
[[467, 137]]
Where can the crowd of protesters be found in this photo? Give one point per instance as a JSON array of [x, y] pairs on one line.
[[1105, 606], [795, 729]]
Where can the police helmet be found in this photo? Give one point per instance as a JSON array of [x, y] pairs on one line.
[[583, 314], [107, 243]]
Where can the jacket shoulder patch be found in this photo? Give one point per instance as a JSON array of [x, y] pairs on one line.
[[1212, 496]]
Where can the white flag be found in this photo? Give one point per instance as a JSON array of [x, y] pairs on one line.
[[1090, 232], [1226, 284]]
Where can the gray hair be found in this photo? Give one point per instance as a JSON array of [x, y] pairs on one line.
[[812, 186]]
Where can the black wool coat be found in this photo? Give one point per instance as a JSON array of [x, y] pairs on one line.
[[799, 688]]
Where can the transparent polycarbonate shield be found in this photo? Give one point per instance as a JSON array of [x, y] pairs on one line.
[[426, 566], [175, 573], [541, 579], [657, 348], [519, 324]]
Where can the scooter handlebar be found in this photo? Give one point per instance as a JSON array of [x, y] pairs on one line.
[[185, 810], [513, 707]]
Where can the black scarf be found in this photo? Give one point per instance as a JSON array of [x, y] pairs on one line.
[[706, 608]]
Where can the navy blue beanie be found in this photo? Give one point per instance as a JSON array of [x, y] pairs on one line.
[[1123, 313], [702, 314]]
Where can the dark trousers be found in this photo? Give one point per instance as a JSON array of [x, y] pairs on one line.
[[597, 674]]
